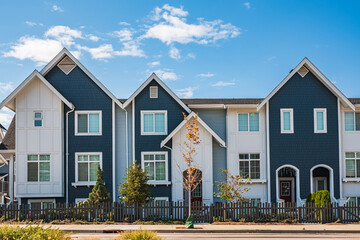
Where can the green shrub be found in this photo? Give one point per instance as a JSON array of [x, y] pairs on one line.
[[139, 235], [320, 198], [30, 233]]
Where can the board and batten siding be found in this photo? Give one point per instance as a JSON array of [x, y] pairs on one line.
[[48, 139]]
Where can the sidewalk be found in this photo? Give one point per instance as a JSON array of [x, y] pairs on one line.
[[209, 228]]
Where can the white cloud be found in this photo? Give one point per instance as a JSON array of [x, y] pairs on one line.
[[153, 64], [64, 34], [123, 35], [124, 24], [6, 87], [130, 49], [171, 26], [223, 84], [174, 53], [191, 55], [247, 5], [6, 115], [33, 24], [186, 92], [167, 74], [206, 75], [56, 8], [93, 38]]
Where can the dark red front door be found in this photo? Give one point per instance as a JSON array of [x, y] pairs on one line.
[[196, 195], [285, 190]]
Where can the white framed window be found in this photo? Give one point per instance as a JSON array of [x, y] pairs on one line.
[[38, 168], [153, 92], [38, 119], [320, 120], [154, 122], [287, 120], [352, 164], [352, 121], [354, 200], [249, 165], [155, 164], [86, 165], [248, 122], [88, 123], [41, 203], [77, 200]]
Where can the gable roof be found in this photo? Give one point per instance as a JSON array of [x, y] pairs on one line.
[[153, 76], [64, 52], [8, 101], [318, 74], [191, 115]]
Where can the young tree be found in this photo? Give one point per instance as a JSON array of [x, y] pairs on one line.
[[99, 194], [135, 188], [233, 187]]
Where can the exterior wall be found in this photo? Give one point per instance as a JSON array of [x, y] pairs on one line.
[[202, 159], [247, 142], [39, 140], [304, 148], [84, 94]]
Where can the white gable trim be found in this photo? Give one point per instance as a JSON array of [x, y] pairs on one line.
[[311, 67], [153, 76], [191, 115], [64, 52], [34, 74]]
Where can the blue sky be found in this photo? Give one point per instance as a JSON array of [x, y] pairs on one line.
[[199, 48]]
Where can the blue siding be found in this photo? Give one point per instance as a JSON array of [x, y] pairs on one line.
[[84, 94], [304, 148]]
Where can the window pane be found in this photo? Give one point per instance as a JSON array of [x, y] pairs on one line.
[[350, 155], [149, 169], [44, 172], [254, 122], [160, 156], [320, 121], [244, 168], [286, 121], [255, 169], [82, 123], [94, 124], [83, 172], [159, 122], [349, 121], [95, 158], [82, 158], [93, 170], [149, 157], [255, 156], [243, 122], [45, 157], [160, 170], [357, 121], [358, 168], [244, 156], [32, 172], [38, 115], [351, 200], [38, 123], [358, 154], [350, 168], [148, 123], [32, 157]]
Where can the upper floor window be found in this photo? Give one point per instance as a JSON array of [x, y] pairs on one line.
[[86, 167], [38, 168], [88, 123], [153, 92], [352, 121], [320, 120], [153, 122], [249, 165], [155, 165], [38, 118], [248, 122], [352, 164], [287, 120]]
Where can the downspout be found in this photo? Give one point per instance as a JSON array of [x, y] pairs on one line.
[[67, 153], [126, 139]]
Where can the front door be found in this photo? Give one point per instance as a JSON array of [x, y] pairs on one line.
[[320, 183], [285, 190], [196, 195]]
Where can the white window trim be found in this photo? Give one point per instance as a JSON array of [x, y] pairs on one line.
[[282, 110], [153, 112], [38, 161], [42, 117], [355, 178], [248, 130], [161, 199], [316, 182], [157, 182], [88, 134], [77, 200], [351, 131], [323, 110], [83, 183], [30, 201], [156, 89], [249, 160]]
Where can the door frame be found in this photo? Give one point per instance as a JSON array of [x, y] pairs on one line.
[[297, 179], [292, 180], [331, 179], [316, 179]]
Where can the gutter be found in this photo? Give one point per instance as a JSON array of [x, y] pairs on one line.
[[67, 153]]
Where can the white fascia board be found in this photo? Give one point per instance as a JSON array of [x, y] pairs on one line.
[[206, 106], [153, 76], [64, 52], [191, 115], [318, 74], [34, 74]]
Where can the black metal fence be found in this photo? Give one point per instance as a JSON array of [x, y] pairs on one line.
[[177, 211]]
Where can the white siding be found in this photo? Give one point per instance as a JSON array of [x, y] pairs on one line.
[[47, 139]]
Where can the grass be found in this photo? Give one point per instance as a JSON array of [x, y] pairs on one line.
[[31, 233], [139, 235]]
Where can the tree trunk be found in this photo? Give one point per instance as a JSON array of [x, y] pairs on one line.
[[189, 189]]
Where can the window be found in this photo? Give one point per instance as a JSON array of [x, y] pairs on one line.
[[352, 164], [352, 121], [353, 200], [41, 203], [320, 120], [248, 122], [155, 165], [153, 92], [38, 168], [254, 201], [287, 120], [86, 167], [249, 165], [38, 119], [153, 122], [77, 200], [88, 123]]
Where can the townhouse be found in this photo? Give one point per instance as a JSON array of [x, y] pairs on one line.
[[303, 137]]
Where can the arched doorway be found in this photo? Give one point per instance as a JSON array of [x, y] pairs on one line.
[[322, 178], [196, 194], [288, 183]]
